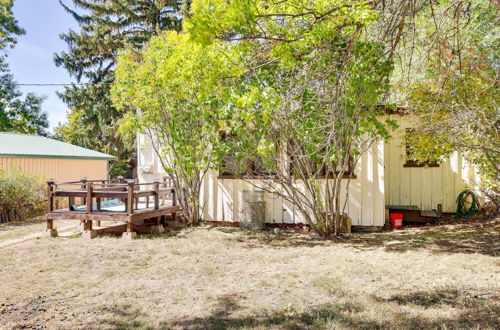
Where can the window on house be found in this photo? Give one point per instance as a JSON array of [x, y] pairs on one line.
[[232, 167], [315, 167], [322, 172], [414, 163]]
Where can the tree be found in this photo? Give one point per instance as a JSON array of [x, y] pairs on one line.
[[9, 28], [16, 114], [177, 86], [106, 28], [457, 101], [298, 80], [309, 96]]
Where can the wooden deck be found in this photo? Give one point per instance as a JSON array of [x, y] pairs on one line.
[[134, 203]]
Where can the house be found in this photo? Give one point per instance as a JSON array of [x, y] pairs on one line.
[[383, 178], [51, 158]]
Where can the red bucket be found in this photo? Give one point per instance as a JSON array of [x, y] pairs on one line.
[[396, 220]]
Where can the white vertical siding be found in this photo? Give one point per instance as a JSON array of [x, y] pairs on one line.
[[425, 187], [221, 198]]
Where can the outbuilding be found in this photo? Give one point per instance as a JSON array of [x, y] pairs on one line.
[[51, 158], [383, 179]]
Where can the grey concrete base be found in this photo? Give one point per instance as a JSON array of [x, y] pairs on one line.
[[89, 234], [129, 236], [51, 232], [157, 229]]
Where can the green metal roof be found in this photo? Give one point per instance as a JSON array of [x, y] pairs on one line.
[[33, 146]]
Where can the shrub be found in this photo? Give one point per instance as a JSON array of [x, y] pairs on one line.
[[22, 196]]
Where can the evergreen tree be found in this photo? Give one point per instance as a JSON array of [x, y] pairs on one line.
[[107, 26]]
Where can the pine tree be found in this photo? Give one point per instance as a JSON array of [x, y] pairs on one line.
[[107, 27]]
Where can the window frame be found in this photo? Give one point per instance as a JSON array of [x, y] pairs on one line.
[[409, 163], [250, 172], [349, 174]]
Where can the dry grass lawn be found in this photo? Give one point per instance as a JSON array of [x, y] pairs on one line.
[[14, 230], [205, 278]]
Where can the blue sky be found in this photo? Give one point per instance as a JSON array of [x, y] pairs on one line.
[[31, 61]]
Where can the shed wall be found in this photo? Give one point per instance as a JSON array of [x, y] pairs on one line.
[[425, 187], [57, 168], [221, 198]]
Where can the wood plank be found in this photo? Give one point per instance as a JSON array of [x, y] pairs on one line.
[[378, 186], [448, 185], [70, 193], [394, 166], [426, 188], [437, 185], [110, 194], [119, 228], [366, 183], [227, 200], [237, 190], [416, 186], [73, 215], [112, 216], [277, 211], [220, 201], [152, 213]]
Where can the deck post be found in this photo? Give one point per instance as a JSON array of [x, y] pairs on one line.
[[163, 194], [50, 194], [130, 197], [157, 193], [83, 182], [174, 203], [88, 232], [129, 234], [83, 186], [98, 207], [50, 231], [90, 189]]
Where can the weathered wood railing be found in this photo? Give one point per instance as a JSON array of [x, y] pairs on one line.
[[128, 191]]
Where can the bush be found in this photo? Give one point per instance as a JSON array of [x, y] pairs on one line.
[[22, 196]]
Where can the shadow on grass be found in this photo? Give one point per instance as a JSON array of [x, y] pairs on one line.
[[481, 240], [470, 240], [479, 310], [473, 312], [452, 297]]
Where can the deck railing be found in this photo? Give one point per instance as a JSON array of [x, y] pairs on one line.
[[128, 191]]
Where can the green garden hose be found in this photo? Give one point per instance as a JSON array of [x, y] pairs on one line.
[[467, 204]]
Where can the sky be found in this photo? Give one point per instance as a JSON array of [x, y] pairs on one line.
[[31, 60]]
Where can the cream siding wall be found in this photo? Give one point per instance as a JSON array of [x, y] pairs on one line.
[[424, 187], [58, 168], [221, 198]]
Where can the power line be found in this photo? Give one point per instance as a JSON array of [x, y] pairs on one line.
[[55, 84]]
